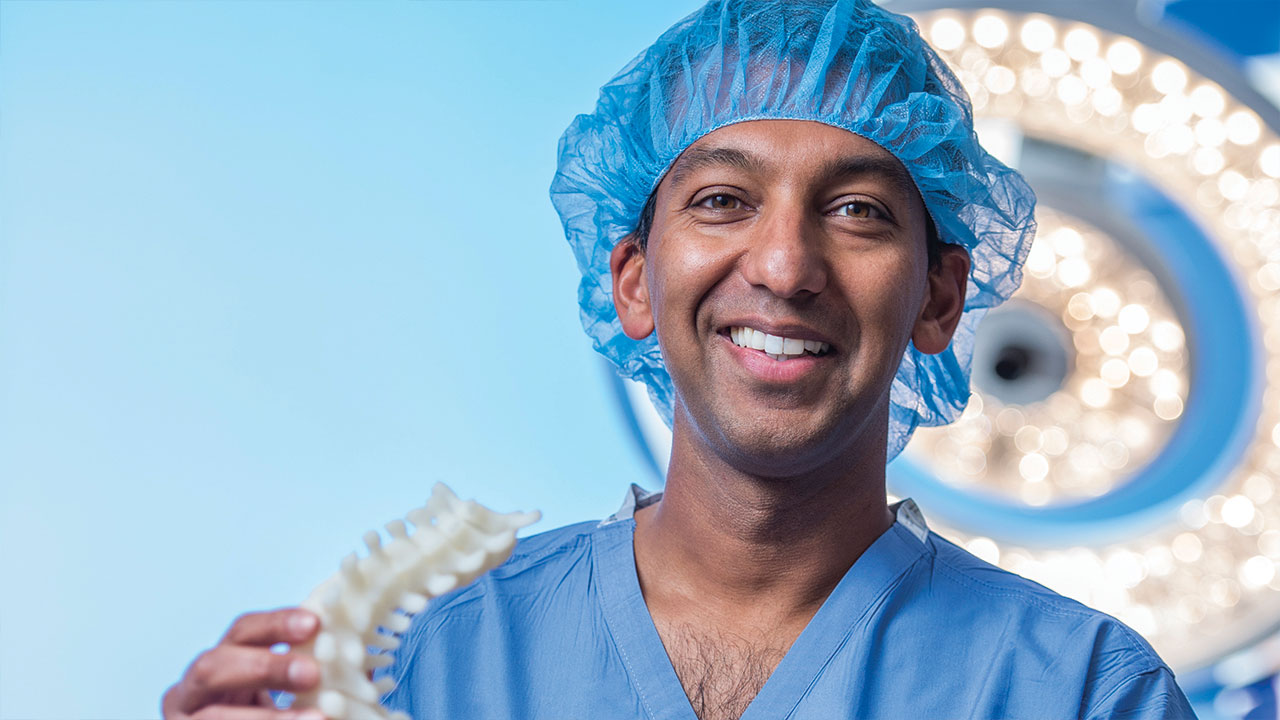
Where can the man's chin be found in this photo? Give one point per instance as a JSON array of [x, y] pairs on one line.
[[788, 442], [779, 451]]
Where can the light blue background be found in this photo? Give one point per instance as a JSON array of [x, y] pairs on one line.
[[267, 272]]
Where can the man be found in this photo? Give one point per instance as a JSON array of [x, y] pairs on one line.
[[786, 227]]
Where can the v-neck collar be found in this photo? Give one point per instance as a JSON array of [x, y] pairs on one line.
[[861, 590]]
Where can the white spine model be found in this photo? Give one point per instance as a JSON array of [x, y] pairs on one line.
[[368, 603]]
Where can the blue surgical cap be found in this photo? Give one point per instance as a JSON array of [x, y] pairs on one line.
[[848, 64]]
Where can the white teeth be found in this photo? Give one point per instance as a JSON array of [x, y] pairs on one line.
[[775, 346]]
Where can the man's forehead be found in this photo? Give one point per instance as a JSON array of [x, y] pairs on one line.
[[769, 146]]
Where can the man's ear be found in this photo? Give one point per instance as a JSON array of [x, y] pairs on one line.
[[943, 302], [631, 289]]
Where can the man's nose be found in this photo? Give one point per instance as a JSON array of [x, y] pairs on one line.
[[786, 255]]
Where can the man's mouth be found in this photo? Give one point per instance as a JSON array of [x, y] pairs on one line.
[[776, 346]]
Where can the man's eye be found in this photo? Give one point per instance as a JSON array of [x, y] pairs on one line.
[[721, 202], [858, 209]]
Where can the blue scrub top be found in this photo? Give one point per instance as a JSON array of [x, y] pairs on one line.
[[917, 628]]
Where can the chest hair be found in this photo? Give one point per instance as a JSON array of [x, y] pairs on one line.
[[721, 672]]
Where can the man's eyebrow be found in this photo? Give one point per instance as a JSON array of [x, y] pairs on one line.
[[846, 168], [849, 168], [695, 159]]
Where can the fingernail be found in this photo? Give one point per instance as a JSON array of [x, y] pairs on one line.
[[309, 715], [301, 672], [302, 623]]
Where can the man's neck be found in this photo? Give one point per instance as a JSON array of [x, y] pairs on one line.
[[757, 549]]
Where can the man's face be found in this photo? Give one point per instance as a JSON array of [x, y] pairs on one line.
[[809, 238]]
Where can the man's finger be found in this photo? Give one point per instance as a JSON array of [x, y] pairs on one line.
[[290, 625], [239, 712], [232, 668]]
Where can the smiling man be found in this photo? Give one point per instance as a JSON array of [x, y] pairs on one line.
[[788, 230]]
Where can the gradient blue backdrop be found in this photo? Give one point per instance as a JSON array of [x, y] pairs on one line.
[[267, 272]]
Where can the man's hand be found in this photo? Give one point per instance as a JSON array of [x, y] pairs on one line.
[[230, 681]]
